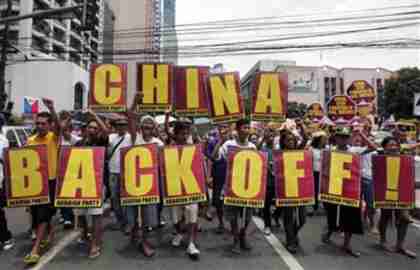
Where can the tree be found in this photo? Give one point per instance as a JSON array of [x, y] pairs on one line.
[[399, 93], [296, 110]]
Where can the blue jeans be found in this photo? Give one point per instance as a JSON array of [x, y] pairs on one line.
[[367, 192]]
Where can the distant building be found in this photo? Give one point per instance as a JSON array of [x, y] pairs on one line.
[[108, 34], [54, 38], [308, 84], [169, 40]]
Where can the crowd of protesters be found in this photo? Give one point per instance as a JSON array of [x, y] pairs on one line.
[[56, 130]]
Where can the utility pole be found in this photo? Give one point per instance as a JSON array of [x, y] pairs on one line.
[[3, 60]]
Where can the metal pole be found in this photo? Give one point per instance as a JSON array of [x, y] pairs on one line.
[[3, 61]]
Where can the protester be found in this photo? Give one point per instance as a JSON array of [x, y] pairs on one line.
[[391, 146], [117, 141], [6, 240], [96, 135], [189, 213], [218, 173], [149, 213], [47, 133], [350, 218], [267, 146], [294, 218], [232, 213]]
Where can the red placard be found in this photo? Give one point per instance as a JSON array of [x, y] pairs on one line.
[[294, 179], [361, 90], [140, 175], [341, 107], [269, 96], [108, 87], [183, 175], [225, 103], [80, 177], [155, 81], [191, 94], [26, 176], [340, 178], [246, 179], [315, 111], [394, 181]]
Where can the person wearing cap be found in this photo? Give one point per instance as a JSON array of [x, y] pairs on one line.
[[232, 213], [116, 142], [350, 217], [149, 213]]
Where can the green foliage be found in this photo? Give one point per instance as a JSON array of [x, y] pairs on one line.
[[399, 93]]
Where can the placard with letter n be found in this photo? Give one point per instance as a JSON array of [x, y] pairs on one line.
[[183, 175], [224, 92], [191, 94], [140, 175], [340, 178], [294, 179], [26, 176], [155, 81], [269, 96], [80, 177], [108, 87], [246, 178], [394, 181]]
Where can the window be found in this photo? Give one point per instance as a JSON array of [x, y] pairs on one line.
[[333, 86], [342, 86], [79, 90], [379, 84]]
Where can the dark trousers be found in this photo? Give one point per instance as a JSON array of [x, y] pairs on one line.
[[67, 214], [293, 220], [269, 196], [400, 222], [317, 183], [5, 234]]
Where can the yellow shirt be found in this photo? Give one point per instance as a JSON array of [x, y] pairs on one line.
[[51, 141]]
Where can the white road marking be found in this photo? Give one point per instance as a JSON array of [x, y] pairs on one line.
[[288, 258], [47, 257]]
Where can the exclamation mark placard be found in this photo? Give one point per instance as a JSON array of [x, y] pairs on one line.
[[393, 177]]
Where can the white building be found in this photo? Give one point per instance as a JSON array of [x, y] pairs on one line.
[[308, 84], [67, 87]]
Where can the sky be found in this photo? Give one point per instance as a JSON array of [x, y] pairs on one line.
[[195, 11]]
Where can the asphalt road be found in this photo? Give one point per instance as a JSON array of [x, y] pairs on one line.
[[268, 253]]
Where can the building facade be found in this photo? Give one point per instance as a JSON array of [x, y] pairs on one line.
[[308, 84], [169, 40], [60, 39]]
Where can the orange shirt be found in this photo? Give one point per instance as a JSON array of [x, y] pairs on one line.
[[51, 141]]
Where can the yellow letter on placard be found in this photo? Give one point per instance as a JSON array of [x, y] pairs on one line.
[[292, 173], [224, 94], [80, 174], [155, 86], [242, 186], [145, 183], [393, 176], [193, 97], [19, 171], [337, 172], [269, 94], [179, 171], [108, 84]]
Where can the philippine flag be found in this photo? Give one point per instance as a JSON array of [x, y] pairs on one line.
[[30, 105]]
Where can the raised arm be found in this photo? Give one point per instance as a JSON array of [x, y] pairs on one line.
[[103, 127], [131, 116], [50, 106]]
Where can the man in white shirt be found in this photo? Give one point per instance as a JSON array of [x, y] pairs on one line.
[[6, 240], [233, 214], [117, 141]]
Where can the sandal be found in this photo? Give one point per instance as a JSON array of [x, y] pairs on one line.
[[351, 252], [31, 259], [44, 244], [95, 254], [406, 252]]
